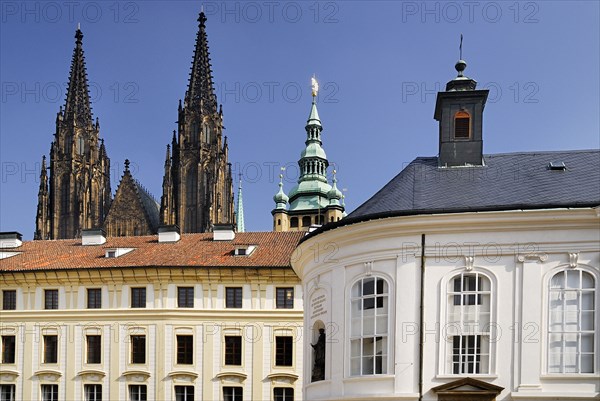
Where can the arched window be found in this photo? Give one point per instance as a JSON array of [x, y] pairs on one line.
[[468, 324], [306, 221], [571, 318], [320, 219], [369, 311], [462, 125], [294, 222], [80, 145]]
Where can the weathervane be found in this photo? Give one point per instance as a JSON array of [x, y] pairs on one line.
[[460, 47], [314, 85]]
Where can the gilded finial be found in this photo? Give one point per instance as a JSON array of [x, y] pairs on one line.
[[314, 86]]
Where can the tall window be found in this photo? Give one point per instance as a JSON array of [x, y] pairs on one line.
[[369, 327], [138, 392], [138, 297], [462, 125], [284, 350], [184, 393], [9, 300], [49, 392], [233, 297], [94, 349], [232, 394], [185, 350], [283, 394], [7, 392], [50, 349], [233, 350], [468, 324], [94, 298], [51, 299], [185, 297], [92, 392], [571, 322], [8, 349], [285, 298], [138, 349]]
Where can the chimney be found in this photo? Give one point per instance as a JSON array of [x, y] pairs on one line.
[[223, 232], [168, 233], [93, 236], [11, 239]]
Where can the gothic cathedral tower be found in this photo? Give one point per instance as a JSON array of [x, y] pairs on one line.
[[197, 185], [77, 194]]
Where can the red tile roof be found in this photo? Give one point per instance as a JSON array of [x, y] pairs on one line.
[[274, 249]]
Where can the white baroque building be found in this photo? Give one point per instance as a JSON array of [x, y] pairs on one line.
[[467, 277], [213, 316]]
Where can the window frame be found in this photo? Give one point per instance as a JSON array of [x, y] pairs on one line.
[[183, 294], [594, 291], [91, 353], [485, 286], [51, 299], [284, 351], [378, 301], [94, 301], [135, 358], [50, 352], [11, 394], [12, 299], [140, 395], [12, 350], [184, 350], [286, 303], [237, 297], [54, 390], [138, 297], [284, 396], [233, 356], [185, 396], [94, 395], [462, 115], [233, 396]]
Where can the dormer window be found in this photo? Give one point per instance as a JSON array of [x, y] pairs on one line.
[[462, 125], [116, 252], [244, 250]]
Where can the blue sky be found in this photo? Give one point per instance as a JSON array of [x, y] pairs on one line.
[[379, 65]]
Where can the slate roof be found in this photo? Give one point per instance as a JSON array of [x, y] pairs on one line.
[[149, 203], [274, 250], [507, 181]]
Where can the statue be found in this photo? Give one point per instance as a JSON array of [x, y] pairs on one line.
[[318, 372]]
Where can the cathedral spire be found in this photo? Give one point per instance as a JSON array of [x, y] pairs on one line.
[[42, 218], [240, 209], [200, 94], [77, 105]]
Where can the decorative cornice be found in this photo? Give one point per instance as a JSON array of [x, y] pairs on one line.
[[469, 260], [538, 257], [183, 376], [92, 374], [48, 374], [287, 377], [7, 375], [237, 377], [136, 375]]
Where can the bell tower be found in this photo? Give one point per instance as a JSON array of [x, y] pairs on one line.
[[79, 193], [198, 187], [459, 111]]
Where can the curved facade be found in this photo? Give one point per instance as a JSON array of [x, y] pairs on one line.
[[502, 298]]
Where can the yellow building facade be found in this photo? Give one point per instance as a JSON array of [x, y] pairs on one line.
[[192, 317]]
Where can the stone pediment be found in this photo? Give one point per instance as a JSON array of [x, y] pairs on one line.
[[48, 375], [467, 388], [232, 377], [92, 375], [136, 375], [182, 376]]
